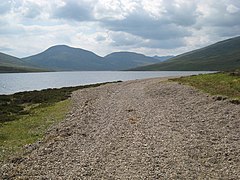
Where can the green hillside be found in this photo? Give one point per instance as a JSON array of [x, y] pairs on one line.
[[224, 55], [65, 58], [12, 64]]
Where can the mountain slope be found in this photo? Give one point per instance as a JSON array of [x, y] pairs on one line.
[[224, 55], [63, 57], [10, 63], [126, 60]]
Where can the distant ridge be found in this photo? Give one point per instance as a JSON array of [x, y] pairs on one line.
[[62, 57], [126, 60], [65, 58], [10, 63], [223, 55], [162, 58]]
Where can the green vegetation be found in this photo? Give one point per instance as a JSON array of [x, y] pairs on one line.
[[13, 106], [221, 85], [25, 116], [222, 56], [29, 128]]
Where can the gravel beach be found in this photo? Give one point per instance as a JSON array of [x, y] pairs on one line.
[[142, 129]]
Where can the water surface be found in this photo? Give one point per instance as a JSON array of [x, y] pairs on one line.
[[18, 82]]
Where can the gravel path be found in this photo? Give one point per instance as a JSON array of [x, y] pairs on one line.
[[143, 129]]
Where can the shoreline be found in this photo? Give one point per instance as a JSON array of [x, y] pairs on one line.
[[57, 79], [59, 88]]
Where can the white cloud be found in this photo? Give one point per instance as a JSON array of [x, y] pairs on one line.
[[218, 13], [103, 26], [155, 8], [232, 9]]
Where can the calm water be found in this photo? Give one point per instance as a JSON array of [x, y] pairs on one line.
[[18, 82]]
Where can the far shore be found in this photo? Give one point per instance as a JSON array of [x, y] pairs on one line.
[[20, 82]]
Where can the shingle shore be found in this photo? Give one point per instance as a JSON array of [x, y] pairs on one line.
[[143, 129]]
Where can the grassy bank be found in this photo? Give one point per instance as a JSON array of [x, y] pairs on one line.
[[29, 128], [222, 85], [25, 116]]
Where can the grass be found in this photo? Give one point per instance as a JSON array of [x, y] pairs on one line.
[[222, 85], [25, 116], [29, 128], [15, 106]]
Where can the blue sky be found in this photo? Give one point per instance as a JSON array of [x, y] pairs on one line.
[[152, 27]]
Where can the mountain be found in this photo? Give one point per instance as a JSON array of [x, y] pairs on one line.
[[162, 58], [126, 60], [65, 58], [62, 57], [224, 55], [10, 63]]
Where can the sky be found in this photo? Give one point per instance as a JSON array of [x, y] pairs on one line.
[[151, 27]]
